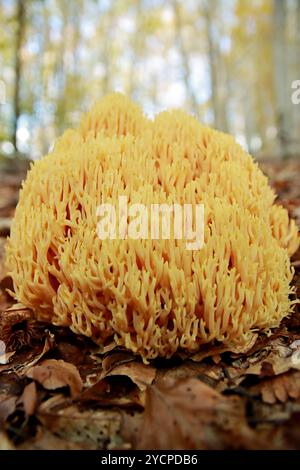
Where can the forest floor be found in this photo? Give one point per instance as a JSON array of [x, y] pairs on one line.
[[59, 391]]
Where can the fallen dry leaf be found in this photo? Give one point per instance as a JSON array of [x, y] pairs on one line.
[[53, 374], [17, 327], [116, 358], [215, 351], [29, 399], [131, 427], [5, 224], [290, 432], [8, 405], [48, 345], [53, 404], [140, 374], [276, 356], [179, 415], [5, 443], [45, 440], [92, 429], [109, 347], [27, 358], [277, 362], [280, 388], [5, 357], [208, 372], [113, 391], [71, 353]]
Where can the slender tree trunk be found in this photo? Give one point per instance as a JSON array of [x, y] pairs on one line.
[[137, 51], [280, 76], [20, 19], [250, 128], [187, 74], [107, 54], [297, 77], [208, 7], [223, 95], [44, 76], [216, 67], [298, 37], [61, 69]]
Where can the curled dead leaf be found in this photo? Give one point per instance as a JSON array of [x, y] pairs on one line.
[[113, 391], [18, 327], [139, 373], [53, 374], [214, 351], [25, 359], [54, 404], [48, 345], [5, 357], [116, 358]]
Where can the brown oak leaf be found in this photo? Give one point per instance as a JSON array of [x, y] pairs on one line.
[[188, 414], [53, 374], [139, 373]]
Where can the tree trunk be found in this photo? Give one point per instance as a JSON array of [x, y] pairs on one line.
[[184, 58], [282, 90], [107, 52], [298, 37], [216, 67], [297, 77], [137, 44], [20, 19]]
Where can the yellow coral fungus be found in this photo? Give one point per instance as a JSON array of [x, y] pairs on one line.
[[152, 296]]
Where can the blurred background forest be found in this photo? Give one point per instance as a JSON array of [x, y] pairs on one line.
[[229, 62]]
